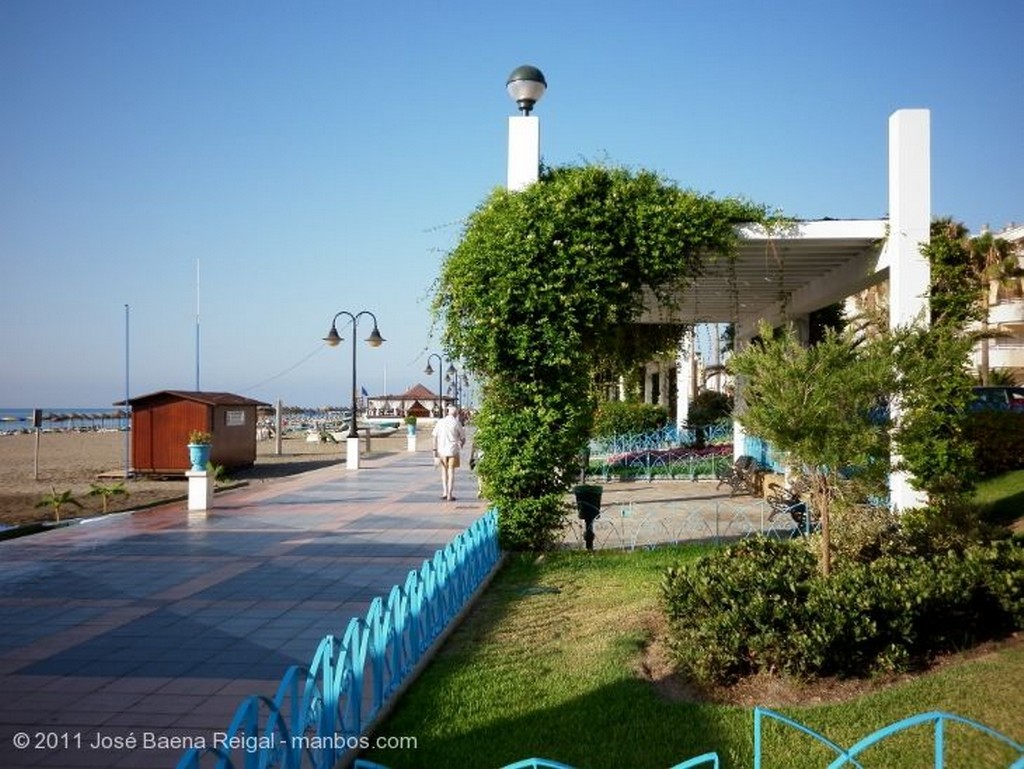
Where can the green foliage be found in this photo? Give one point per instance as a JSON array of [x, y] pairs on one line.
[[815, 404], [540, 295], [627, 418], [818, 405], [532, 523], [709, 407], [105, 492], [760, 606], [955, 275], [933, 388], [727, 611], [57, 500], [998, 440], [218, 472]]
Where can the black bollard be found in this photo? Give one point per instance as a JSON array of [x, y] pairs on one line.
[[588, 506]]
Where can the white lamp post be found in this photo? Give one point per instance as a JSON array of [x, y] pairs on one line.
[[526, 85]]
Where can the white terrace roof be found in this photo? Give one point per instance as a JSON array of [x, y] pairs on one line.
[[789, 271]]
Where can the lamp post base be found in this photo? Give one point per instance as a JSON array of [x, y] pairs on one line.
[[352, 453]]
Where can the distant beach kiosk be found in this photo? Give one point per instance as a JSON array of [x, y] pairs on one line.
[[162, 421]]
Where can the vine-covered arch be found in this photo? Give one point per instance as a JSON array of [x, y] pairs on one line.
[[545, 287]]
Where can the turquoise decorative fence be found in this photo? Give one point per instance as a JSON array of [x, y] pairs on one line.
[[320, 711], [938, 721], [695, 452], [848, 756]]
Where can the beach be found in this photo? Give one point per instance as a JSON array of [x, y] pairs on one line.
[[76, 461]]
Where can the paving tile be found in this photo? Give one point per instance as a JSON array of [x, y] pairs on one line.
[[162, 622]]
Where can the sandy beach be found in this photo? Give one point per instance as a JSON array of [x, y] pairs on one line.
[[75, 461]]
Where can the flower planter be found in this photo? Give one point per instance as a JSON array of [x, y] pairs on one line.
[[199, 455]]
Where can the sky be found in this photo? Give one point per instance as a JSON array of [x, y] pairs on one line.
[[252, 168]]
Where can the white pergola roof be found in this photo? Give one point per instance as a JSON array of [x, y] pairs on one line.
[[782, 272]]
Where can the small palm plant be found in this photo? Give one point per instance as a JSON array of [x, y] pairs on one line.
[[58, 499], [106, 492], [218, 473]]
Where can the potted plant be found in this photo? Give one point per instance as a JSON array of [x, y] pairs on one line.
[[410, 424], [199, 449]]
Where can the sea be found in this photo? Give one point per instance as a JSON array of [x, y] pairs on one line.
[[56, 419]]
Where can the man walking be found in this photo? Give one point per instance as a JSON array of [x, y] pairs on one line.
[[448, 437]]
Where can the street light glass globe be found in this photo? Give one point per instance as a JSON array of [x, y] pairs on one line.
[[526, 85]]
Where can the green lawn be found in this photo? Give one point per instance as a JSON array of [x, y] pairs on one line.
[[546, 665], [1002, 498]]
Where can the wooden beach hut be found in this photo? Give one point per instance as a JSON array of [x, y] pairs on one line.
[[162, 421]]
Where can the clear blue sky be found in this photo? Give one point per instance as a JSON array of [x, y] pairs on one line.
[[319, 156]]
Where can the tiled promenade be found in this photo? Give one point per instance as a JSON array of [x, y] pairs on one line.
[[156, 625], [126, 633]]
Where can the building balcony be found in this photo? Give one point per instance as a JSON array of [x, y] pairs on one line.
[[1002, 354], [1007, 313]]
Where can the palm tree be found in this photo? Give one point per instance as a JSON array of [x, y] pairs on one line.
[[56, 500], [106, 492]]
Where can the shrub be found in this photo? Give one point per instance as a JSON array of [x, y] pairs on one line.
[[532, 524], [998, 438], [709, 406], [731, 612], [760, 606], [628, 418]]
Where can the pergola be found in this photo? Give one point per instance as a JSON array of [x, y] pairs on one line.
[[782, 275]]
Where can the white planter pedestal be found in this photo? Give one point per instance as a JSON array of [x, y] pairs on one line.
[[200, 489]]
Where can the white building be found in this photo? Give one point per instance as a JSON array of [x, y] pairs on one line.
[[1005, 351]]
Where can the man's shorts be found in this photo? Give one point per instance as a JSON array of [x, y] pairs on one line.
[[451, 462]]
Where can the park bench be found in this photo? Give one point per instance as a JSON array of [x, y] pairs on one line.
[[744, 477]]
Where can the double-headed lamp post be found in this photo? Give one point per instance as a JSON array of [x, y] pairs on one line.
[[429, 370], [456, 380], [333, 339]]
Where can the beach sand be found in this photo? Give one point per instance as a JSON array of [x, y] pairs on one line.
[[74, 461]]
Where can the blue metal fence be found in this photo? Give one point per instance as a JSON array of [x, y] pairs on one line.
[[937, 720], [320, 711], [692, 452]]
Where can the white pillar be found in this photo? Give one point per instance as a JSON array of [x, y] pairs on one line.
[[523, 151], [352, 453], [685, 373], [909, 230], [200, 489]]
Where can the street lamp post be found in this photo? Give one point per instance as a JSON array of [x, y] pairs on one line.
[[456, 381], [526, 85], [429, 370], [333, 339]]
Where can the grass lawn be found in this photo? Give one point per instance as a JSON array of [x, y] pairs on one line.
[[549, 664], [1002, 498]]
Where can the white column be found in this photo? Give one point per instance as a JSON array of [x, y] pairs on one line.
[[909, 230], [685, 372], [523, 151]]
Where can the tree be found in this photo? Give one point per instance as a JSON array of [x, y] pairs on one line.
[[537, 297], [106, 492], [819, 406], [56, 500]]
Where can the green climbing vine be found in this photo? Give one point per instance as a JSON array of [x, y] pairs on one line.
[[543, 292]]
